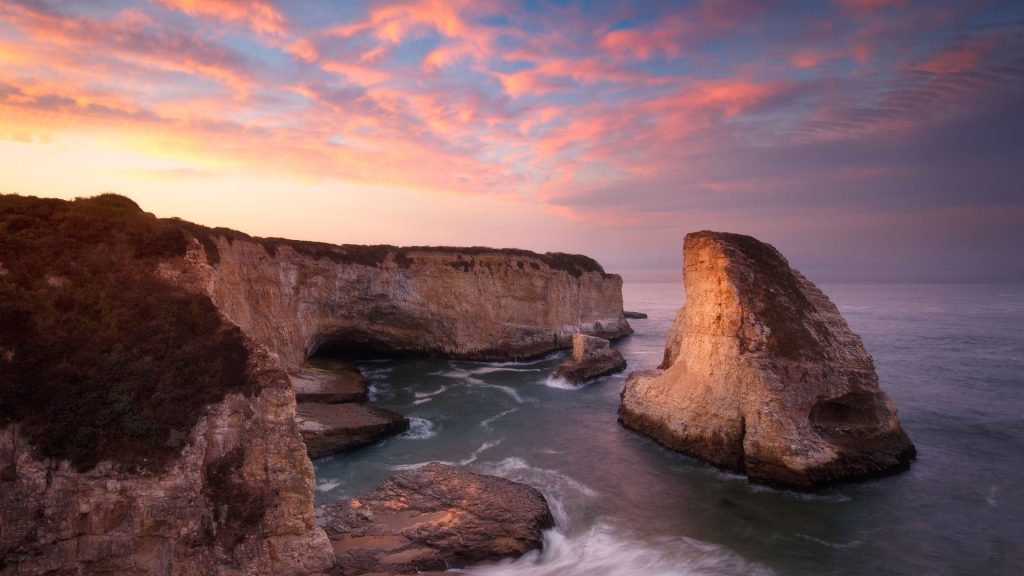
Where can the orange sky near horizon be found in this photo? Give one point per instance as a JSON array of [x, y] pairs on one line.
[[854, 133]]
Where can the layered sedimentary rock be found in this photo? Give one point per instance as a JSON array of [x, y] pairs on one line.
[[298, 298], [591, 357], [238, 500], [434, 518], [761, 374]]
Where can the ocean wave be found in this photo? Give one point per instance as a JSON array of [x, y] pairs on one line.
[[559, 488], [607, 550], [420, 429]]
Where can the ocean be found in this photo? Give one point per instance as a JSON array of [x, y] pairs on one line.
[[951, 356]]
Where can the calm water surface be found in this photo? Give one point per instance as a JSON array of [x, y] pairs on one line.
[[950, 355]]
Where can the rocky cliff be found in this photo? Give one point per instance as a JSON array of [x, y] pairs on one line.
[[141, 432], [238, 499], [762, 375], [471, 303]]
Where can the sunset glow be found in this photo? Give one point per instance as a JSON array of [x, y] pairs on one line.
[[861, 133]]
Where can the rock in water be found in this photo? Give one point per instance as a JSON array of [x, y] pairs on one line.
[[761, 374], [331, 428], [434, 518], [635, 315], [591, 357]]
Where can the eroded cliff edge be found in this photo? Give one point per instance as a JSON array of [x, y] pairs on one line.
[[762, 375], [468, 303]]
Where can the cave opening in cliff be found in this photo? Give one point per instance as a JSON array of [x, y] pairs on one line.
[[361, 343]]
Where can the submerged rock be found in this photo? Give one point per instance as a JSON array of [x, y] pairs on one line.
[[591, 357], [434, 518], [331, 428], [761, 374], [635, 315]]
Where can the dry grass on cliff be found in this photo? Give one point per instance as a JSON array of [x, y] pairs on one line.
[[100, 359]]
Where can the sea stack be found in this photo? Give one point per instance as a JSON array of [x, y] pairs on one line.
[[762, 375], [591, 357]]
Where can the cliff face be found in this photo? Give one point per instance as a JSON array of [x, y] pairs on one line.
[[238, 500], [458, 303], [761, 374]]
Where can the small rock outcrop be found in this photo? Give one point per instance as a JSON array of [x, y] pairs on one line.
[[762, 375], [332, 428], [329, 382], [434, 518], [635, 315], [591, 357]]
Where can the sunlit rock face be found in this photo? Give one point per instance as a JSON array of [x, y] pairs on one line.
[[458, 303], [762, 375], [435, 517]]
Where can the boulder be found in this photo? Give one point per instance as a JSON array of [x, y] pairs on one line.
[[591, 357], [762, 375], [635, 315], [331, 428], [434, 517]]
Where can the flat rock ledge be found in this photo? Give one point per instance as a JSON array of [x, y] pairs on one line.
[[329, 382], [635, 315], [435, 517], [591, 357], [332, 428]]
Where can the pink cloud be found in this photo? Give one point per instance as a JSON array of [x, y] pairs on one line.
[[260, 16]]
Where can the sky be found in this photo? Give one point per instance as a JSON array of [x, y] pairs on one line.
[[850, 134]]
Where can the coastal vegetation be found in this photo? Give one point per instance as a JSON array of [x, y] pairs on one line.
[[99, 358]]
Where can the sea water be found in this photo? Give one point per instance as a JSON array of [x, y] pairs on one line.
[[950, 355]]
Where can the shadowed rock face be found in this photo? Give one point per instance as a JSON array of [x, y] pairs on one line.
[[239, 499], [761, 374], [434, 518]]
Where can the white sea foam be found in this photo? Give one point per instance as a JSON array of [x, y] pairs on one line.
[[431, 393], [420, 429], [486, 423], [559, 383], [464, 462], [609, 551], [492, 369], [327, 486], [476, 453]]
